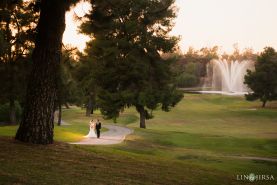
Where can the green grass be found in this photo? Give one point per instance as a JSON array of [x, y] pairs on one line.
[[198, 142], [210, 130], [64, 164], [218, 115]]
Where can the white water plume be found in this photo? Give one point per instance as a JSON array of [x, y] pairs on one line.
[[227, 76]]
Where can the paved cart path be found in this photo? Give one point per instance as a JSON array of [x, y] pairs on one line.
[[114, 135]]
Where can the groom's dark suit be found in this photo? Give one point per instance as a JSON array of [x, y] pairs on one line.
[[98, 127]]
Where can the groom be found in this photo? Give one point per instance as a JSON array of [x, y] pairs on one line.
[[98, 127]]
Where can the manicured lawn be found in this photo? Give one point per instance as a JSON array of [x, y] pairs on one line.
[[198, 142], [65, 164], [211, 130]]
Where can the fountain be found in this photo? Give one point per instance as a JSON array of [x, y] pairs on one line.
[[227, 77]]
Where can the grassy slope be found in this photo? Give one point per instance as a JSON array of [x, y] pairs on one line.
[[65, 164], [197, 137]]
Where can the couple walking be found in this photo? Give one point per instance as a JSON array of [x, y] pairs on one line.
[[94, 127]]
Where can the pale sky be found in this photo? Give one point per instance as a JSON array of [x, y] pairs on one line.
[[205, 23], [71, 34]]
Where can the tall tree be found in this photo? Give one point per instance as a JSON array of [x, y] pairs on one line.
[[38, 116], [263, 81], [128, 40]]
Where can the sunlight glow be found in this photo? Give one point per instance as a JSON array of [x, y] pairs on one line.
[[71, 35]]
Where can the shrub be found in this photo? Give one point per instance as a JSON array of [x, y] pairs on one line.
[[187, 80]]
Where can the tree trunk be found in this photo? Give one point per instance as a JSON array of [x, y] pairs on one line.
[[60, 115], [12, 112], [11, 73], [67, 106], [89, 107], [12, 93], [264, 103], [38, 117], [142, 116]]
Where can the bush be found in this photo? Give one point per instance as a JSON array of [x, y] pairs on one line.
[[5, 112], [187, 80]]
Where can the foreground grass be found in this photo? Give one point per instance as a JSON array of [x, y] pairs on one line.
[[66, 164]]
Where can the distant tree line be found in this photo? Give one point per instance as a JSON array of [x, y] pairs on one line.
[[191, 67]]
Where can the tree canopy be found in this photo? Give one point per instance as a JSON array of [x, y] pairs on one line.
[[263, 81], [128, 40]]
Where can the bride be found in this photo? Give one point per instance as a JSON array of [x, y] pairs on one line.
[[91, 129]]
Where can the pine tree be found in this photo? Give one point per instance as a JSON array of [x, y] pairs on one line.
[[38, 117], [128, 40]]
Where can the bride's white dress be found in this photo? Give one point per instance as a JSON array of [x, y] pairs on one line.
[[91, 132]]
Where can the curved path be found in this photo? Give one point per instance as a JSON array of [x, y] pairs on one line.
[[114, 135]]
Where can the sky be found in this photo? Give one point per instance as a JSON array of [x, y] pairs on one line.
[[206, 23], [71, 34]]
